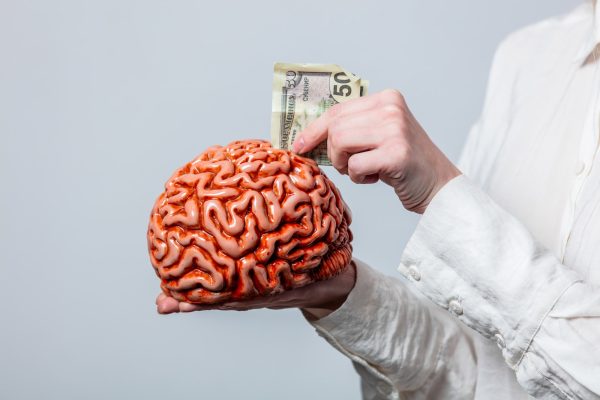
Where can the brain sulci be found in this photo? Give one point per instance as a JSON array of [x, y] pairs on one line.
[[247, 220]]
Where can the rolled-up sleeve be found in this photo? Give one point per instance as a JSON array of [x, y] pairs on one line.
[[400, 346], [482, 265]]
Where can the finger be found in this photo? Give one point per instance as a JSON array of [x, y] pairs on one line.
[[189, 307], [254, 303], [355, 140], [360, 119], [346, 142], [240, 306], [160, 298], [316, 132], [338, 164], [168, 305], [366, 167], [297, 298], [275, 301]]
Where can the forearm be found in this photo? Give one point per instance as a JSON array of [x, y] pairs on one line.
[[397, 342]]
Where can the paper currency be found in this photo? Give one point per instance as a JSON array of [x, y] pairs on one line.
[[301, 93]]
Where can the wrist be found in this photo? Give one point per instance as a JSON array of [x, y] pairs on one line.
[[335, 294], [445, 171], [446, 175]]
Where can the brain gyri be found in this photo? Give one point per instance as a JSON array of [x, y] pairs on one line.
[[247, 220]]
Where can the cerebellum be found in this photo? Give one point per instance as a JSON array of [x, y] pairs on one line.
[[247, 220]]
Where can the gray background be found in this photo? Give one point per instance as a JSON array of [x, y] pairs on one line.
[[101, 101]]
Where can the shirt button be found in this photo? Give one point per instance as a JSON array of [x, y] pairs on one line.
[[499, 340], [455, 307], [580, 168], [414, 273]]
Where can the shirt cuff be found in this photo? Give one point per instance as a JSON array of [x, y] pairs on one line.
[[386, 329], [357, 303], [350, 331], [477, 261]]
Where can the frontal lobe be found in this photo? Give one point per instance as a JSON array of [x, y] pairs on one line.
[[247, 220]]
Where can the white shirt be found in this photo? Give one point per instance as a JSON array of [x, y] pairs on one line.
[[508, 253]]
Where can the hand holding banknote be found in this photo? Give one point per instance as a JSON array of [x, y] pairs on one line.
[[302, 93], [377, 138]]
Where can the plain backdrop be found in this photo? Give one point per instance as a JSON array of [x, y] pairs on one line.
[[101, 100]]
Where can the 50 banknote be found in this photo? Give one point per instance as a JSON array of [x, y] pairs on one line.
[[301, 93]]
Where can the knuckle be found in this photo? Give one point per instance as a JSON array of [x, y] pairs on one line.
[[392, 110], [335, 135], [337, 162], [354, 165], [340, 168], [393, 96], [397, 127], [335, 110], [400, 151], [335, 125], [354, 177], [356, 169], [310, 135]]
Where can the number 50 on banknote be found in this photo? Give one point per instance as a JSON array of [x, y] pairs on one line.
[[301, 93]]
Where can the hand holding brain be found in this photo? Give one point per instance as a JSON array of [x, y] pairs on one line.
[[247, 220]]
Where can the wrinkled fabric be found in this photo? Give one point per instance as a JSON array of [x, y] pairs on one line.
[[499, 294]]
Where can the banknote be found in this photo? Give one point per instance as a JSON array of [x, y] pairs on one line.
[[301, 93]]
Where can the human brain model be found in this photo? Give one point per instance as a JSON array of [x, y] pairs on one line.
[[247, 220]]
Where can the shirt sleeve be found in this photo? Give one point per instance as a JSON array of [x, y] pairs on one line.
[[481, 264], [399, 345]]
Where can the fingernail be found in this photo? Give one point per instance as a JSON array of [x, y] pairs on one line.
[[298, 145]]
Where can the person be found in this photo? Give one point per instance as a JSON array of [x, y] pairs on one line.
[[501, 295]]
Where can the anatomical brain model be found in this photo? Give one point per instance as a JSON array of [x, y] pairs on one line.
[[247, 220]]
